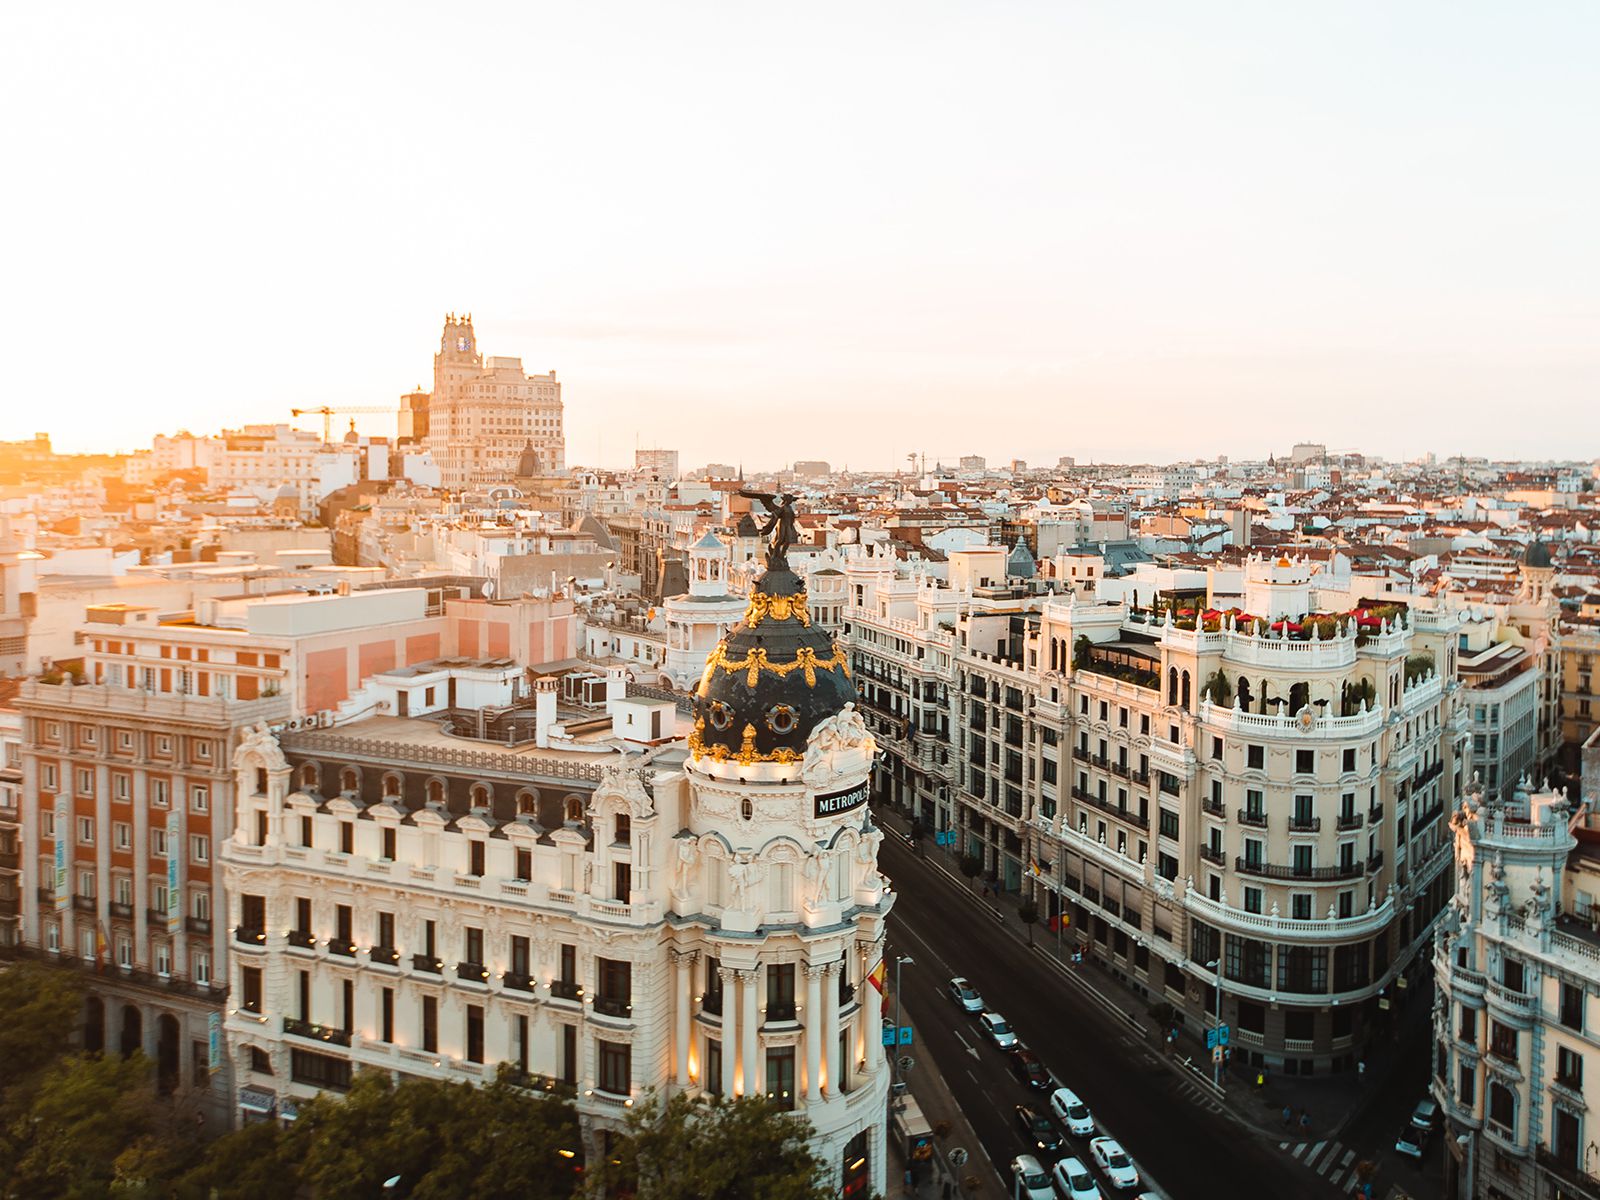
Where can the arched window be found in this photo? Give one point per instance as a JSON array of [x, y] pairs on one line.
[[480, 796], [308, 777], [1245, 694], [527, 804], [1186, 689], [435, 791], [1299, 697], [349, 781], [572, 809], [391, 786], [1172, 685]]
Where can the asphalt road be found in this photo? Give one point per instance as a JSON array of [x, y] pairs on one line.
[[1183, 1151], [1388, 1111]]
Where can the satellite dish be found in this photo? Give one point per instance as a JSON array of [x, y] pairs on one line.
[[487, 590]]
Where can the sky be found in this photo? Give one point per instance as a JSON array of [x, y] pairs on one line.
[[762, 232]]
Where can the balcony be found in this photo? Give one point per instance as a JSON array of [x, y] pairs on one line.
[[1375, 862], [1214, 854], [1375, 813], [10, 860], [315, 1032], [565, 989], [472, 972], [1349, 821], [84, 904], [1305, 824], [384, 956], [711, 1002], [124, 911], [613, 1006], [538, 1083], [1105, 806], [427, 964], [342, 947], [779, 1011], [302, 939], [1310, 874], [518, 981], [1215, 807], [200, 925], [1255, 820], [249, 937]]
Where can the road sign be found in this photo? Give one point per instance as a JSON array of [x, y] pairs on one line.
[[1216, 1037], [888, 1035], [905, 1035], [905, 1062], [944, 837], [1216, 1054], [958, 1156]]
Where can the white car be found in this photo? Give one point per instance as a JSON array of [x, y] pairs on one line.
[[1114, 1161], [1073, 1181], [1032, 1180], [998, 1032], [965, 995], [1073, 1113]]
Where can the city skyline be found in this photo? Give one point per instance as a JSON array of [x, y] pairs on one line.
[[1241, 231]]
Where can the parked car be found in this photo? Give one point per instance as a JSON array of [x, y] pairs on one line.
[[1114, 1161], [1073, 1181], [1037, 1129], [1413, 1140], [1073, 1113], [965, 995], [1425, 1115], [1032, 1181], [997, 1031], [1030, 1069]]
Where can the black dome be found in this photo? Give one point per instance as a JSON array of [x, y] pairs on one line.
[[771, 680], [1537, 555]]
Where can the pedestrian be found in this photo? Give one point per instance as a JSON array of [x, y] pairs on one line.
[[910, 1183], [1288, 1117], [1305, 1122], [1361, 1071]]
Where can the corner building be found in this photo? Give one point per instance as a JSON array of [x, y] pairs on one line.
[[694, 918]]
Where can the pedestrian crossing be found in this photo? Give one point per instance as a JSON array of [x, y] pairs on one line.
[[1332, 1160], [1199, 1096]]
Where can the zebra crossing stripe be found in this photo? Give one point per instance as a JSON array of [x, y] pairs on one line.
[[1348, 1156], [1315, 1151], [1336, 1176], [1300, 1149]]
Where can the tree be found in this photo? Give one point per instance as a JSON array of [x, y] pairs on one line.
[[1028, 913], [41, 1006], [693, 1148], [971, 865]]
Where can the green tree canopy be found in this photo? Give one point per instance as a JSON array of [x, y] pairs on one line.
[[41, 1006], [713, 1149]]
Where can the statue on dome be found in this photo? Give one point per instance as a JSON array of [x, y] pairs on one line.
[[780, 525]]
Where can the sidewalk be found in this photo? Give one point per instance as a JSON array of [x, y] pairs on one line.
[[1329, 1101], [937, 1178]]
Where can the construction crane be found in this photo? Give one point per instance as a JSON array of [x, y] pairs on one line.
[[327, 415]]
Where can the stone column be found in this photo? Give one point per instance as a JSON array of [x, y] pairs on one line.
[[747, 1033], [730, 1046], [683, 993], [837, 1071], [103, 843], [814, 1030]]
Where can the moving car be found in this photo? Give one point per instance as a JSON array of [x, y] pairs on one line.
[[1029, 1069], [965, 995], [1114, 1161], [1073, 1113], [1413, 1140], [1073, 1181], [1032, 1181], [997, 1031], [1425, 1115], [1038, 1130]]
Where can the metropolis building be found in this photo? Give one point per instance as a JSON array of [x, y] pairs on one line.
[[702, 914]]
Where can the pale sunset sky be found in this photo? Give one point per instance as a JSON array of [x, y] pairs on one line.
[[762, 232]]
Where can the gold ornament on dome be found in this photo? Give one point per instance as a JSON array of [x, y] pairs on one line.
[[746, 753], [756, 661], [779, 608]]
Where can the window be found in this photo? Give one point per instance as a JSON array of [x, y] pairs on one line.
[[474, 858], [386, 1011], [1252, 899], [1502, 1041], [624, 829], [430, 1024], [1569, 1068], [201, 906], [260, 1061], [200, 848], [347, 837], [86, 830], [1169, 823], [200, 799], [123, 835], [158, 843], [616, 1073], [1572, 1006], [1466, 1085], [1503, 1107], [780, 1076], [474, 1033], [86, 884], [250, 985], [1348, 763], [1255, 757], [1300, 906], [1216, 748], [1305, 762], [159, 793], [780, 992], [388, 843]]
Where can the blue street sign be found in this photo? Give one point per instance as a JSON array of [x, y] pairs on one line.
[[905, 1035], [944, 837], [888, 1035], [1216, 1037]]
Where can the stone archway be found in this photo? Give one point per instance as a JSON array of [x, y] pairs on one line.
[[94, 1025], [167, 1053], [132, 1038]]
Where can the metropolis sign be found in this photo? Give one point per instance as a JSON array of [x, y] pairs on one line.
[[831, 804]]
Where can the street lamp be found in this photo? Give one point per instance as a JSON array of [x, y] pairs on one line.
[[1216, 1053], [900, 960]]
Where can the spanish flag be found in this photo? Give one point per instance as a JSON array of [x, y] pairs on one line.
[[879, 976]]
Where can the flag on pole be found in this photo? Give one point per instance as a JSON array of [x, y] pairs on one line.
[[99, 945], [879, 977]]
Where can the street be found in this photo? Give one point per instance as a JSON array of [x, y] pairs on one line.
[[1186, 1148]]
